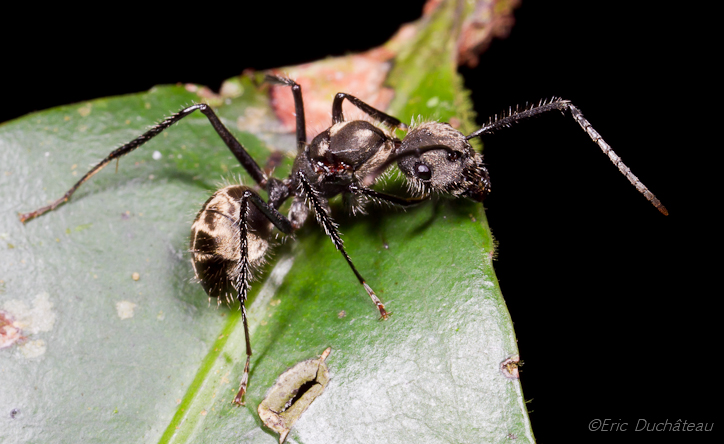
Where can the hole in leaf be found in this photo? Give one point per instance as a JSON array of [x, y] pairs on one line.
[[300, 393], [292, 393]]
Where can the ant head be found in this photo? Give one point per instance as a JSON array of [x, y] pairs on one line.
[[442, 160]]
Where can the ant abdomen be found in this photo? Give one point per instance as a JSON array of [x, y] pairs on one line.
[[216, 242]]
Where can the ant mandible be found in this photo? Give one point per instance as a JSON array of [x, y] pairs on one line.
[[230, 235]]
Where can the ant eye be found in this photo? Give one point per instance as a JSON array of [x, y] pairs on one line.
[[423, 171], [452, 156]]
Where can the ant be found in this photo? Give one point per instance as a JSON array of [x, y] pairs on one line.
[[230, 235]]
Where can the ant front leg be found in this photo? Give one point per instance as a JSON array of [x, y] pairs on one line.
[[331, 229], [389, 198], [338, 116], [236, 148]]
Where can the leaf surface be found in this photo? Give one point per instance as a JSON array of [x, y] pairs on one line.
[[106, 358]]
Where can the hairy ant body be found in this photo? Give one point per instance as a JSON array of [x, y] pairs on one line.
[[230, 235]]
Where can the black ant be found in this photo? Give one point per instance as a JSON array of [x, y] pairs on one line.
[[230, 235]]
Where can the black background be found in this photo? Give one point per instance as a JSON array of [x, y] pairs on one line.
[[609, 298]]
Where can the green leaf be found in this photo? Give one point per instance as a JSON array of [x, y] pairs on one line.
[[103, 357]]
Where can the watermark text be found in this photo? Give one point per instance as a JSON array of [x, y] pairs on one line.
[[644, 425]]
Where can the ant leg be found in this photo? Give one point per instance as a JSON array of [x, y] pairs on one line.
[[495, 123], [330, 227], [243, 290], [396, 200], [338, 116], [283, 224], [271, 213], [236, 148], [298, 107]]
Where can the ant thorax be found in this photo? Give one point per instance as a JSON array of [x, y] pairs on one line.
[[342, 155]]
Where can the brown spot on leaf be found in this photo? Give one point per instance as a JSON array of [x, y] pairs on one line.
[[509, 367]]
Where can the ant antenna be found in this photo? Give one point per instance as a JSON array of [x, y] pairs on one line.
[[555, 103]]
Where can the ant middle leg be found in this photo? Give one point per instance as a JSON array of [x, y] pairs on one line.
[[248, 199], [229, 240], [298, 107]]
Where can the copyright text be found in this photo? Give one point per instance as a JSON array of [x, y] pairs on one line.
[[643, 425]]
